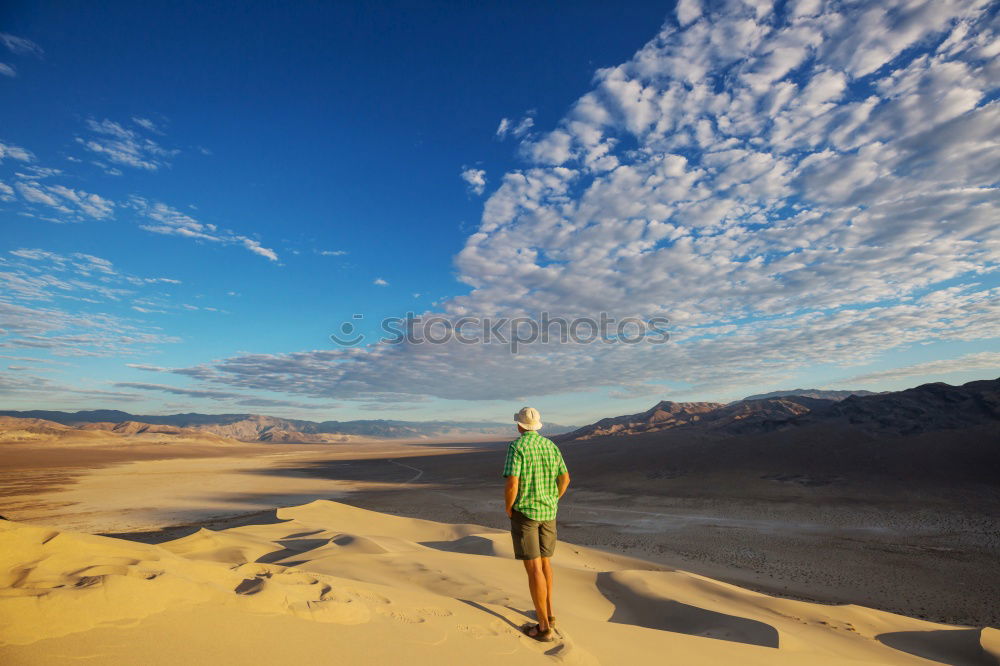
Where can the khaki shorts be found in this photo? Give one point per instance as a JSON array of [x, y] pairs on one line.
[[532, 538]]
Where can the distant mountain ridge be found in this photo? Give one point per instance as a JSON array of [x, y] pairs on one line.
[[716, 416], [929, 407], [821, 394], [261, 428]]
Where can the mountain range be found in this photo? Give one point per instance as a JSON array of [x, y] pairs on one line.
[[822, 394], [260, 428], [929, 407], [925, 408]]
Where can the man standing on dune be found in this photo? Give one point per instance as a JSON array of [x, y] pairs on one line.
[[536, 479]]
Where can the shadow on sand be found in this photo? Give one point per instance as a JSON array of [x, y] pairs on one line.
[[467, 545], [646, 610], [268, 517], [955, 647]]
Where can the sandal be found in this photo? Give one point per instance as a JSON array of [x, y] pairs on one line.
[[539, 635]]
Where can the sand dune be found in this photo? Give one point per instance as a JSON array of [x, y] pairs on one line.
[[330, 583]]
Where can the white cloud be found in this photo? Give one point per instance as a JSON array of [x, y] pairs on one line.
[[89, 204], [380, 282], [258, 249], [34, 172], [44, 275], [927, 371], [687, 11], [15, 153], [121, 145], [332, 253], [516, 129], [72, 204], [242, 399], [33, 193], [62, 333], [20, 45], [172, 222], [475, 179], [147, 124], [7, 70]]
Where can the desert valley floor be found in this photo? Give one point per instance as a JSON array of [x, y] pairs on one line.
[[796, 539]]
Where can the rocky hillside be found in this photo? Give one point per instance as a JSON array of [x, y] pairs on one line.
[[14, 429], [925, 408], [663, 415], [743, 416]]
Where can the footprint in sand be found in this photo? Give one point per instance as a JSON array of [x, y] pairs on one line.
[[328, 593], [399, 616], [297, 578], [335, 612], [89, 581], [145, 574], [474, 630], [104, 570], [253, 569], [494, 628], [370, 597], [434, 611], [503, 629]]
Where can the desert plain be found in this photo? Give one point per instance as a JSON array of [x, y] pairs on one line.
[[155, 549]]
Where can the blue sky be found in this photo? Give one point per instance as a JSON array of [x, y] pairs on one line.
[[193, 196]]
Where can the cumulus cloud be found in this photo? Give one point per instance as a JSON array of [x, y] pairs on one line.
[[687, 11], [802, 184], [380, 282], [475, 179]]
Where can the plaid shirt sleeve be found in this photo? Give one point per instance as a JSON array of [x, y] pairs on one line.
[[515, 460], [562, 465]]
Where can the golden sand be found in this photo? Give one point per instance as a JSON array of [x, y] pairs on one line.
[[331, 583]]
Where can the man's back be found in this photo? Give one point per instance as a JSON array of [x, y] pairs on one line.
[[536, 461]]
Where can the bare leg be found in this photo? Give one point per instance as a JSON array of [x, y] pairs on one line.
[[547, 570], [539, 591]]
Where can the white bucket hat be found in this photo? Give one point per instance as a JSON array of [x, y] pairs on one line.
[[528, 418]]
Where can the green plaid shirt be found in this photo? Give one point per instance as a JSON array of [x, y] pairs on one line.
[[536, 462]]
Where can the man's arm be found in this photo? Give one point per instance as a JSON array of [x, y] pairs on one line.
[[510, 493], [562, 483]]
